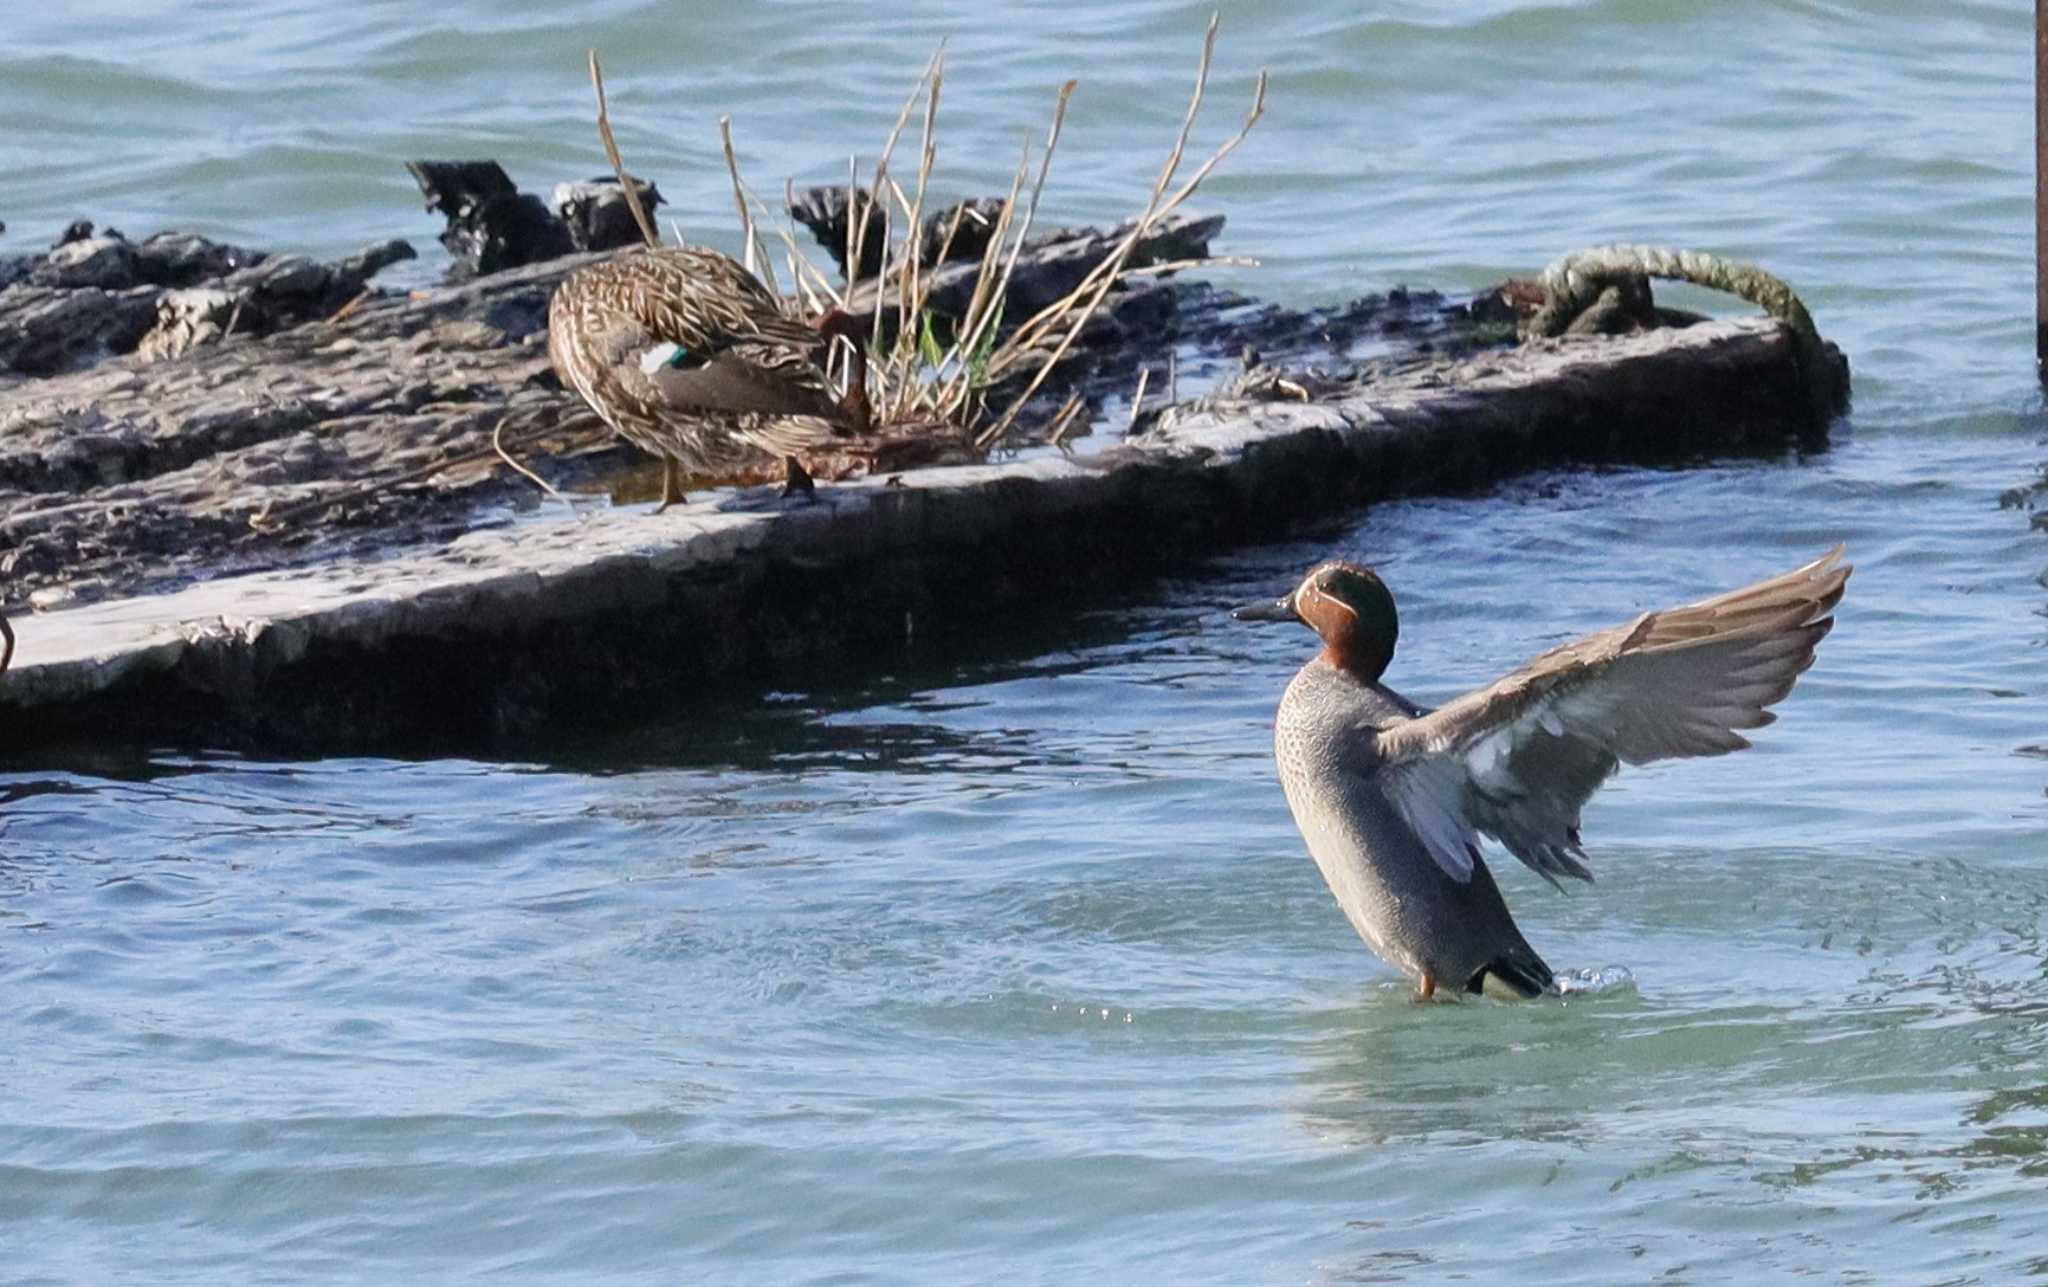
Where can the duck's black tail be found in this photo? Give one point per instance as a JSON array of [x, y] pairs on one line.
[[1517, 972]]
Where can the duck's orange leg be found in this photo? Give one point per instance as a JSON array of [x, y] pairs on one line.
[[1425, 987]]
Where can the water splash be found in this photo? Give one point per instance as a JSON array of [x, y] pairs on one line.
[[1595, 982]]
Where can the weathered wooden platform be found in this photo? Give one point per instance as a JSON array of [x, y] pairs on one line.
[[555, 620], [132, 469]]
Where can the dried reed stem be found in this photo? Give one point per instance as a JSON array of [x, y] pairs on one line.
[[1029, 333], [498, 446], [1064, 418], [984, 304], [987, 317], [361, 297], [856, 228], [1097, 285], [611, 151], [263, 520], [1138, 398], [755, 258], [909, 296], [909, 376], [819, 292], [879, 185]]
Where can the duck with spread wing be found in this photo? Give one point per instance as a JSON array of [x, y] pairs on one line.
[[1392, 797]]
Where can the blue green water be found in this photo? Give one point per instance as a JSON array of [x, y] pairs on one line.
[[1017, 971]]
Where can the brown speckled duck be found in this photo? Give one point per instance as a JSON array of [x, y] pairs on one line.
[[1392, 797], [686, 355]]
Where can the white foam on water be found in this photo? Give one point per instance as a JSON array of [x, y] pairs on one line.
[[1595, 981]]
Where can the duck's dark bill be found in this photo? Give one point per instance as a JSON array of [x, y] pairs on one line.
[[1281, 609]]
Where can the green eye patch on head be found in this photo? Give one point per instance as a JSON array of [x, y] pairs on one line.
[[1353, 586]]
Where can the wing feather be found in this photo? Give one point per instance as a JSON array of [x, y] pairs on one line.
[[687, 332], [1430, 795], [751, 378], [1518, 759], [707, 302]]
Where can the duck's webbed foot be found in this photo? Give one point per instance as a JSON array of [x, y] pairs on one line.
[[671, 483], [796, 480], [1425, 987]]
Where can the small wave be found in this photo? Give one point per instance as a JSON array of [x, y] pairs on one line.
[[1593, 981]]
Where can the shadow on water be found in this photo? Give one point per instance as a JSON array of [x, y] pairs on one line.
[[831, 725]]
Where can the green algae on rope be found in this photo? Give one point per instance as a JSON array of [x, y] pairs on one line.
[[1572, 283]]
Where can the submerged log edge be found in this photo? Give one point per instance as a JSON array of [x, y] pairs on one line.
[[560, 622]]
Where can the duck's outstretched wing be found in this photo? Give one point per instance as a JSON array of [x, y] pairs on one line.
[[1518, 759]]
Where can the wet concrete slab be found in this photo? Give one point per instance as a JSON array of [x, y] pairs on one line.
[[557, 620]]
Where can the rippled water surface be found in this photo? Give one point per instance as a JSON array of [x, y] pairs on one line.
[[1018, 972]]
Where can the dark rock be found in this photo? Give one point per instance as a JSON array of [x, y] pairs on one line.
[[518, 315], [45, 330], [1509, 304], [1147, 309], [175, 259], [375, 258], [597, 214], [823, 210], [98, 294], [76, 230], [103, 261], [944, 243], [1052, 266], [492, 225], [279, 292], [188, 318], [283, 277]]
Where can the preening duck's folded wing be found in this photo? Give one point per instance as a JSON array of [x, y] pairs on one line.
[[750, 379], [1518, 759], [706, 302]]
